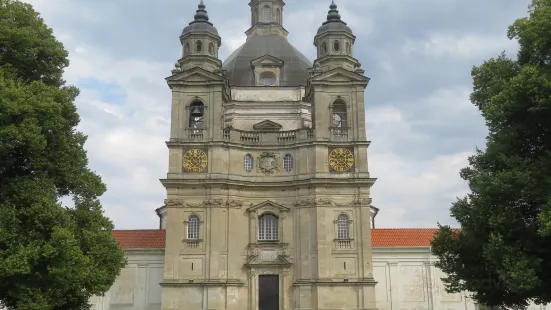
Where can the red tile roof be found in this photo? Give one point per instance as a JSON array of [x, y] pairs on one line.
[[389, 237], [140, 239], [380, 237]]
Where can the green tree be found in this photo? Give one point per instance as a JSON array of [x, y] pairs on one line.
[[28, 45], [51, 257], [502, 253]]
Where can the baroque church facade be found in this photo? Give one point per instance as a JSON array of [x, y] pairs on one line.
[[268, 201]]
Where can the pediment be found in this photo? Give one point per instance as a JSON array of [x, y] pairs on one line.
[[268, 206], [267, 61], [340, 75], [196, 74], [267, 125]]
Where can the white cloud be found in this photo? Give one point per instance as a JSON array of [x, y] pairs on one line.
[[406, 186], [463, 46], [126, 137]]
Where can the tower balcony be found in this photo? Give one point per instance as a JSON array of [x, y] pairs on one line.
[[253, 138], [262, 138]]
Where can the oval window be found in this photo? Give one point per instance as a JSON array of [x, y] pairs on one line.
[[198, 46]]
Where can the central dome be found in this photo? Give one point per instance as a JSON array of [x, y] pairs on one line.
[[241, 72]]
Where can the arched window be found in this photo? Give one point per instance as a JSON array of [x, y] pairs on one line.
[[268, 227], [288, 162], [336, 46], [211, 48], [248, 163], [199, 46], [278, 14], [348, 48], [323, 48], [196, 111], [193, 226], [267, 79], [255, 16], [186, 49], [339, 115], [267, 14], [343, 227]]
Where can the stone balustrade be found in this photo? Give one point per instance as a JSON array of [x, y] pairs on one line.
[[249, 137]]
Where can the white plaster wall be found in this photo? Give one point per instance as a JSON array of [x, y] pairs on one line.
[[408, 280], [138, 285]]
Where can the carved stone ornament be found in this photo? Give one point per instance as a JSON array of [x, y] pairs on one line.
[[320, 202], [207, 203], [233, 204], [174, 202], [268, 163], [362, 201]]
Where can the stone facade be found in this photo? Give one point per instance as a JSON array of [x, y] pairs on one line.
[[407, 280], [269, 179]]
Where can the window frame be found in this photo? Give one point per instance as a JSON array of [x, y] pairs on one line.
[[268, 227], [343, 227], [248, 165], [288, 163], [265, 11]]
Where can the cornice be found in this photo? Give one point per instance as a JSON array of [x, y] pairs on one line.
[[207, 203], [138, 251], [328, 143], [201, 282], [348, 182], [401, 249], [339, 282]]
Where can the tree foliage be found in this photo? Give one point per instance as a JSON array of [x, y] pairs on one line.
[[29, 46], [51, 256], [502, 253]]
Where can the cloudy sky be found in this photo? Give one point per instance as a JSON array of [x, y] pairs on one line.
[[418, 54]]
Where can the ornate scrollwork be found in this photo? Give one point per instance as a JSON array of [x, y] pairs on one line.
[[193, 205], [305, 203], [324, 202], [362, 201], [212, 203], [268, 163], [174, 202], [233, 204]]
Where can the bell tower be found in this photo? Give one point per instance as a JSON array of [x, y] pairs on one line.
[[198, 91], [196, 80]]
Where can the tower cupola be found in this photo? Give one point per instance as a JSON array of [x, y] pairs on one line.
[[334, 42], [267, 17], [200, 42]]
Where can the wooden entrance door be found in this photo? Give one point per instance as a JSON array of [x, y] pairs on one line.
[[268, 292]]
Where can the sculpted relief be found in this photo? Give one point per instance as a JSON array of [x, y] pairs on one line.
[[268, 163], [207, 203], [326, 202]]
